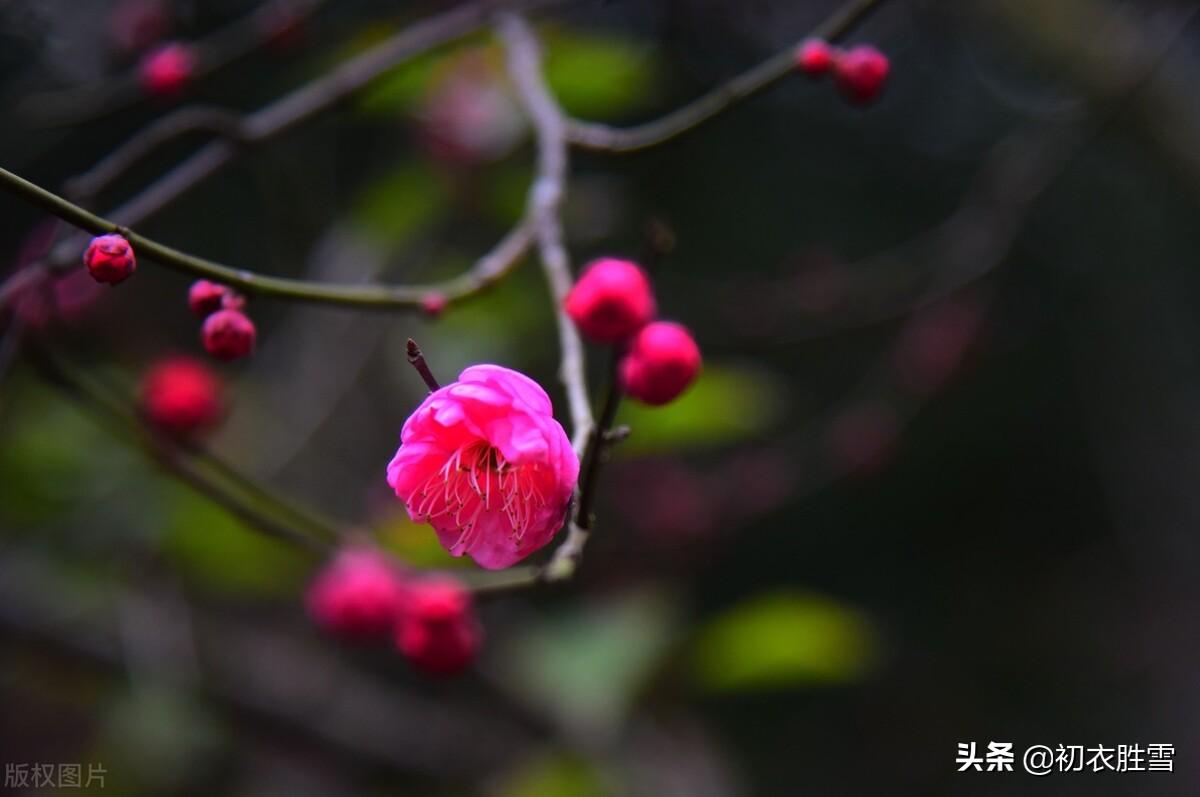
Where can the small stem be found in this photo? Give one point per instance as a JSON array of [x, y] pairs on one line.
[[417, 360], [565, 561], [597, 446]]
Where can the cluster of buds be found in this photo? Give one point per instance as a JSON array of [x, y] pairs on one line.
[[360, 595], [613, 303], [860, 72], [227, 333]]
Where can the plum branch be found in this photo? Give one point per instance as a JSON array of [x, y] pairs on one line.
[[486, 271], [605, 138]]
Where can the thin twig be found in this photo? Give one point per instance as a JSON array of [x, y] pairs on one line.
[[192, 119], [215, 51], [485, 272], [545, 199], [291, 110], [524, 61], [604, 138], [417, 360], [175, 460], [566, 557], [315, 98]]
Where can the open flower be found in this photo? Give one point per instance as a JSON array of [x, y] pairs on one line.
[[485, 463]]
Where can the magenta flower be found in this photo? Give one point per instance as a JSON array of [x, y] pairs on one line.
[[484, 462]]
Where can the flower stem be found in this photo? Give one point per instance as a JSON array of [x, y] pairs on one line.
[[417, 360]]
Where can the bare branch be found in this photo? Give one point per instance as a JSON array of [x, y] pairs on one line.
[[590, 135], [188, 466], [197, 119], [545, 199], [213, 52], [549, 186], [315, 98], [486, 271]]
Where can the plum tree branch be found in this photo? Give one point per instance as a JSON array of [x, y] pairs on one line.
[[316, 97], [605, 138], [184, 465], [545, 199], [546, 196], [485, 272], [216, 50]]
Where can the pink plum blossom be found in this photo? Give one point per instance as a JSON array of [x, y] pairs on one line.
[[486, 464]]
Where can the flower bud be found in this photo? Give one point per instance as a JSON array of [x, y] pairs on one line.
[[438, 631], [182, 397], [205, 298], [434, 304], [228, 334], [611, 300], [358, 595], [109, 258], [165, 71], [815, 57], [861, 72], [662, 361]]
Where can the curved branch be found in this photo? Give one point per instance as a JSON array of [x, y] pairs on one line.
[[215, 51], [192, 119], [549, 186], [604, 138], [545, 199], [484, 273], [247, 505], [315, 98]]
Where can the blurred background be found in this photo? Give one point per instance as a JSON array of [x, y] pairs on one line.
[[936, 484]]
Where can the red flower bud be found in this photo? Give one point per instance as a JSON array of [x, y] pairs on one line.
[[815, 57], [612, 300], [861, 72], [205, 298], [438, 631], [165, 71], [357, 596], [228, 334], [109, 258], [662, 361], [434, 304], [181, 397]]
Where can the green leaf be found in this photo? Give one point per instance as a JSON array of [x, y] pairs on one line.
[[587, 664], [783, 639], [598, 75], [727, 404]]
